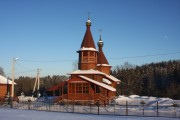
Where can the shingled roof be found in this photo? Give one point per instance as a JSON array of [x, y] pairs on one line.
[[88, 41], [101, 59]]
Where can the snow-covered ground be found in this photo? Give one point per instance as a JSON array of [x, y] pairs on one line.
[[122, 106], [150, 101], [16, 114]]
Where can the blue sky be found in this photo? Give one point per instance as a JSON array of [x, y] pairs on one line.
[[46, 34]]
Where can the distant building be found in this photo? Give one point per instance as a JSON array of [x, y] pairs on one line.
[[92, 81], [5, 86]]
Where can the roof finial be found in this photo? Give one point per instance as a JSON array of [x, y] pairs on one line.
[[88, 23], [100, 43], [100, 31], [88, 15]]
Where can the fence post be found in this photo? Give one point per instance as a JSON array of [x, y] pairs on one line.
[[90, 106], [175, 105], [29, 101], [73, 105], [157, 109], [98, 106], [142, 103], [114, 107], [49, 102], [11, 102], [126, 108]]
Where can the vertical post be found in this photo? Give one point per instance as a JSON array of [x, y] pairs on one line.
[[12, 91], [29, 102], [157, 109], [38, 70], [126, 108], [114, 107], [8, 92], [73, 105], [143, 109], [90, 107], [98, 106]]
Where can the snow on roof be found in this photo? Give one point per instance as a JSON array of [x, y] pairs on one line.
[[88, 21], [103, 65], [106, 81], [91, 71], [4, 80], [84, 49], [110, 77], [98, 83], [113, 78]]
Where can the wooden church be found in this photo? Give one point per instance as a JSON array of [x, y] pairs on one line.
[[92, 81]]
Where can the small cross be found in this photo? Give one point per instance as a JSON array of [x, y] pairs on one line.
[[88, 15], [100, 31]]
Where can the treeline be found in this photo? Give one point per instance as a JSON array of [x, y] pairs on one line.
[[26, 84], [155, 79]]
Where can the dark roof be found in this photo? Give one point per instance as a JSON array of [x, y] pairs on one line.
[[88, 41]]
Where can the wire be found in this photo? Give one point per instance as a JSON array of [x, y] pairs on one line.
[[33, 70], [152, 55], [45, 60], [128, 57]]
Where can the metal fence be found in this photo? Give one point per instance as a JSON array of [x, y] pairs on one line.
[[46, 104]]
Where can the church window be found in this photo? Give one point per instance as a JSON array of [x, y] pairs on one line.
[[78, 87], [91, 54], [85, 53], [72, 88], [85, 88]]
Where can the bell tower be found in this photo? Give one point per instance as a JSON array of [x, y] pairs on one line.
[[87, 52], [102, 63]]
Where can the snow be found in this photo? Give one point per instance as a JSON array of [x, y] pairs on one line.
[[98, 83], [113, 78], [114, 111], [150, 101], [91, 71], [22, 98], [4, 80], [103, 65], [106, 81], [85, 49], [88, 21], [15, 114]]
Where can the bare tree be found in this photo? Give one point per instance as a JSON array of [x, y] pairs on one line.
[[1, 71]]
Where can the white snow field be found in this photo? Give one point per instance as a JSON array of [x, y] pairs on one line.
[[16, 114], [123, 107]]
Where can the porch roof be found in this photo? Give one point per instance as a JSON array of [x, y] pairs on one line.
[[98, 83], [85, 72], [57, 86]]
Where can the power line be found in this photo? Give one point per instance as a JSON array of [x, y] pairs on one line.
[[45, 60], [128, 57], [28, 71], [151, 55]]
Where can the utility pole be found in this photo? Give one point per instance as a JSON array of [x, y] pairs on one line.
[[38, 72], [12, 89], [37, 83], [13, 66]]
